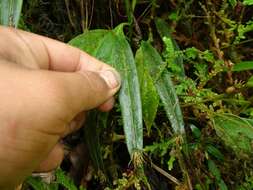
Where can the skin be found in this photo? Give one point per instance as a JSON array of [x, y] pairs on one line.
[[45, 89]]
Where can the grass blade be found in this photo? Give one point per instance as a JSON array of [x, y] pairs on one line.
[[243, 66], [10, 12]]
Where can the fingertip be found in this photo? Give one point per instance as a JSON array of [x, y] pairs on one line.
[[107, 106], [111, 77], [108, 73]]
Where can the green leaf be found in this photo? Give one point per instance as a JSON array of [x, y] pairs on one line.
[[222, 185], [214, 152], [232, 2], [64, 180], [35, 183], [121, 57], [191, 53], [243, 66], [248, 2], [171, 162], [170, 55], [92, 132], [242, 29], [235, 131], [198, 187], [164, 86], [38, 184], [174, 16], [149, 96], [10, 12], [160, 148], [214, 170], [170, 102], [195, 130], [89, 41], [201, 71], [207, 55], [216, 173], [250, 82], [250, 121], [163, 29], [113, 48]]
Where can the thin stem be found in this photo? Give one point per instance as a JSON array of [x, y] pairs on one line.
[[166, 174], [69, 15]]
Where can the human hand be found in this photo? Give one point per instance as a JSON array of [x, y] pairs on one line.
[[45, 85]]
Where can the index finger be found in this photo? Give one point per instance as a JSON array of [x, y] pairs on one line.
[[45, 52]]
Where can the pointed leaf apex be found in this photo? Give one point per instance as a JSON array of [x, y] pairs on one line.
[[119, 30]]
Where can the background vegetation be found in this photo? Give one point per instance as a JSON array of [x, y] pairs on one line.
[[187, 71]]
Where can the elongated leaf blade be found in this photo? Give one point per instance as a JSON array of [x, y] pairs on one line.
[[216, 173], [243, 66], [164, 86], [211, 149], [235, 131], [170, 101], [112, 48], [10, 12], [92, 132], [116, 51], [214, 170], [149, 96]]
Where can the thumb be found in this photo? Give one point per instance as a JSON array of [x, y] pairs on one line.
[[82, 90]]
